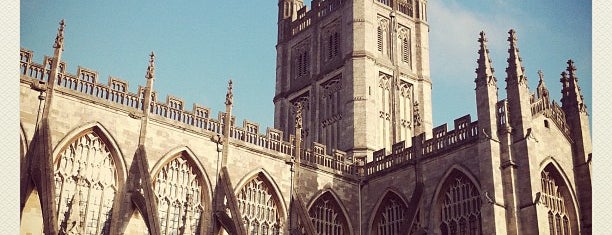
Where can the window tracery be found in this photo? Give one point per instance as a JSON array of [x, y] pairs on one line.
[[384, 85], [259, 207], [330, 112], [327, 217], [405, 45], [381, 34], [178, 191], [86, 181], [552, 198], [460, 206], [391, 216]]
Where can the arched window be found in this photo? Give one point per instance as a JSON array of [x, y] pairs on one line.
[[85, 185], [554, 197], [179, 191], [391, 215], [459, 208], [327, 217], [259, 205]]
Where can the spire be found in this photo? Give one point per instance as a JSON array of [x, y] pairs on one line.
[[229, 97], [59, 38], [151, 68], [484, 72], [542, 90], [515, 70]]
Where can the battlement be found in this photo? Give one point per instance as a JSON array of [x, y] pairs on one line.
[[320, 9], [404, 6], [86, 81], [552, 111], [538, 106], [465, 131]]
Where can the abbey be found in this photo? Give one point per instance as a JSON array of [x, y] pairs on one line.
[[353, 149]]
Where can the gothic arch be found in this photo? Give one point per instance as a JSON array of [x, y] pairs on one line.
[[388, 200], [182, 190], [558, 198], [456, 178], [103, 133], [173, 153], [246, 200], [550, 160], [330, 194], [89, 170]]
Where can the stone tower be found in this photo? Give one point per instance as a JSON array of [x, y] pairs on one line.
[[360, 68]]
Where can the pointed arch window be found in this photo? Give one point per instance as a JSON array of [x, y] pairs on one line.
[[179, 190], [259, 205], [459, 206], [554, 199], [391, 216], [327, 217], [86, 181]]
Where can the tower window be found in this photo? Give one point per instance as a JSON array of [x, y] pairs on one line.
[[333, 45], [302, 64], [546, 124]]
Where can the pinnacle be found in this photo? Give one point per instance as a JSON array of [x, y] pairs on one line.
[[571, 68], [59, 38], [484, 71], [151, 68], [515, 69]]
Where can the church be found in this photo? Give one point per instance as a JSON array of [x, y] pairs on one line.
[[353, 149]]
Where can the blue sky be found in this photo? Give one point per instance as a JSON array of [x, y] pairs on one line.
[[199, 45]]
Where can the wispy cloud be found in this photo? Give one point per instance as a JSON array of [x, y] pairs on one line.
[[454, 33]]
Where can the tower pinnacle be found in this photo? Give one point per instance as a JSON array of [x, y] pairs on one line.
[[229, 97], [515, 70], [572, 95], [542, 91], [151, 68], [59, 38], [484, 71]]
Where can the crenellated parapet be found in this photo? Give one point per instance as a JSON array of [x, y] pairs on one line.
[[173, 111], [320, 9], [465, 131]]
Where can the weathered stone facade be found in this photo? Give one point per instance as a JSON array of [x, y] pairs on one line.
[[354, 75]]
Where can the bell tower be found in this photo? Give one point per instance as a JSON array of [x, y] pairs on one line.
[[360, 69]]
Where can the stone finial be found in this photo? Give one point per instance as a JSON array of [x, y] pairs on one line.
[[484, 71], [298, 114], [229, 96], [571, 68], [59, 38], [515, 70], [541, 75], [542, 90], [416, 115], [151, 68]]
